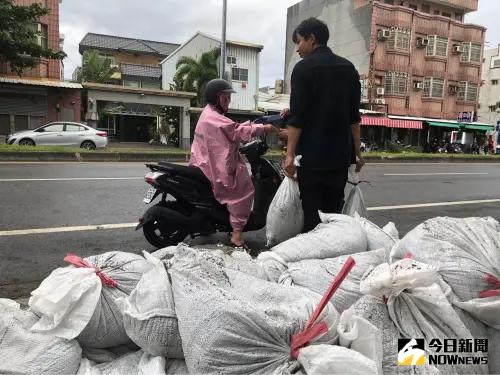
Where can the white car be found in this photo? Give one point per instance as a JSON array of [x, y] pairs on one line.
[[60, 134]]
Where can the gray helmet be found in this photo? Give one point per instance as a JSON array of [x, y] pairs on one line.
[[214, 87]]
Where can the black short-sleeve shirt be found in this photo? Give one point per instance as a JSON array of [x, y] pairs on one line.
[[324, 103]]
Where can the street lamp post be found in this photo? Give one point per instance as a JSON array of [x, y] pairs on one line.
[[223, 41]]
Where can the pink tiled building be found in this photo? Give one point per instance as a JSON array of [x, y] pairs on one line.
[[416, 58]]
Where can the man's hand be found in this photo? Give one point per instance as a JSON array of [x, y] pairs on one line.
[[289, 167], [283, 135], [360, 161], [268, 128], [285, 112]]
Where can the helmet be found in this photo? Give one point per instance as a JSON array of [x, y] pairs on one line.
[[214, 87]]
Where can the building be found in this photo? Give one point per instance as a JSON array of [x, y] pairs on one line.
[[489, 93], [129, 106], [243, 61], [39, 95], [417, 59], [137, 61]]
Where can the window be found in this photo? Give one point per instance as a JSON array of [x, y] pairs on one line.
[[496, 63], [426, 8], [239, 74], [467, 91], [396, 83], [42, 34], [150, 85], [459, 16], [231, 60], [471, 52], [399, 39], [131, 83], [433, 87], [54, 128], [494, 82], [438, 46], [107, 56], [445, 14], [436, 12], [413, 6], [74, 128], [390, 2]]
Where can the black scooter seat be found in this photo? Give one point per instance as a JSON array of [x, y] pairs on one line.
[[194, 173]]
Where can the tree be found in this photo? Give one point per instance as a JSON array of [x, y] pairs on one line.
[[194, 75], [95, 68], [22, 43]]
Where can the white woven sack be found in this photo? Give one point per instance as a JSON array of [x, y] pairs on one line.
[[285, 217], [23, 352]]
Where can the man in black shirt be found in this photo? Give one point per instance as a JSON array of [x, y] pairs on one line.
[[323, 122]]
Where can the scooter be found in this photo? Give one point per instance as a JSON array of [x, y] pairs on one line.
[[188, 207]]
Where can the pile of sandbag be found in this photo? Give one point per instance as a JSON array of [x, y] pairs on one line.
[[332, 301]]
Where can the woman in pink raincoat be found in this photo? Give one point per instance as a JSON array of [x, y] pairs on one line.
[[215, 151]]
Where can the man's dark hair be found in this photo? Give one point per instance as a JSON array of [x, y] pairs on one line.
[[312, 26]]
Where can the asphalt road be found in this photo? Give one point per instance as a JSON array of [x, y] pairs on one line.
[[65, 197]]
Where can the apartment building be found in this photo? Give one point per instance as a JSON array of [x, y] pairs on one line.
[[417, 59], [39, 95]]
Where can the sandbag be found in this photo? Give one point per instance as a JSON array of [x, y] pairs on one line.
[[81, 302], [377, 238], [494, 350], [23, 352], [285, 217], [341, 235], [98, 355], [316, 275], [135, 363], [233, 323], [149, 313], [467, 255], [417, 305], [332, 360], [355, 202]]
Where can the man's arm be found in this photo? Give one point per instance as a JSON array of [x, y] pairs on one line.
[[293, 139], [356, 136]]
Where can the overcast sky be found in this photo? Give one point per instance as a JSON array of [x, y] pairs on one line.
[[174, 21]]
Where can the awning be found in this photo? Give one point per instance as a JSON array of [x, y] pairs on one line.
[[452, 125], [390, 123], [479, 127]]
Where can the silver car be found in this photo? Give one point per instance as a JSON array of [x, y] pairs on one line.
[[60, 134]]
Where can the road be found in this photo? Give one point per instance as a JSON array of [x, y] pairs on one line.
[[50, 209]]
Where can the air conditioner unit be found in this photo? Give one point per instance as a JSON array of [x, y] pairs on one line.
[[422, 42], [418, 85], [380, 91], [457, 49], [379, 101], [383, 34], [452, 89]]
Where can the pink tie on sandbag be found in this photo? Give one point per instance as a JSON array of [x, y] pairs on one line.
[[77, 261], [313, 330], [491, 279]]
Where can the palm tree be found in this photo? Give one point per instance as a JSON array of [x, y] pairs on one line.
[[194, 75], [96, 68]]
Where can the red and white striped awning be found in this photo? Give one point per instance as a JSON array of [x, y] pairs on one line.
[[390, 123]]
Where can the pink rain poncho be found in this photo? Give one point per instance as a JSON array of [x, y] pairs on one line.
[[215, 151]]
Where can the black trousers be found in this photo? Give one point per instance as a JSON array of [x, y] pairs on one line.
[[321, 190]]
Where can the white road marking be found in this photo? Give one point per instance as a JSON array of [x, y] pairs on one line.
[[438, 204], [132, 225], [66, 229], [69, 179], [436, 174]]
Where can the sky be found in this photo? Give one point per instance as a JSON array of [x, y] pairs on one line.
[[175, 21]]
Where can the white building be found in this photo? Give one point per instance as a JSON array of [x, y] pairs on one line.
[[242, 64], [489, 93]]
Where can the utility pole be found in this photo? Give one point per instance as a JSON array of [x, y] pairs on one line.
[[223, 41]]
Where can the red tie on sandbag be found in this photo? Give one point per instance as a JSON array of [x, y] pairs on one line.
[[76, 261], [312, 330], [493, 280]]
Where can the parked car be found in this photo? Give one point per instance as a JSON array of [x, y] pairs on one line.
[[60, 134]]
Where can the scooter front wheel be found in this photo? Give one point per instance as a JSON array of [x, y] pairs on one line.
[[162, 234]]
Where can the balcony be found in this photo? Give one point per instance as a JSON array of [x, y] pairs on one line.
[[465, 5]]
